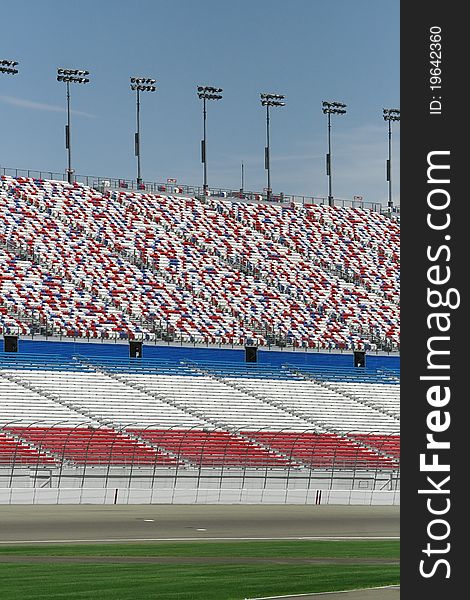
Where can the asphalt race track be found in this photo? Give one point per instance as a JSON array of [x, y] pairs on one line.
[[389, 593], [92, 523], [133, 523]]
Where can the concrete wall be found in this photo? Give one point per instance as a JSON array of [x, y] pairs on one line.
[[195, 496], [175, 352], [207, 478]]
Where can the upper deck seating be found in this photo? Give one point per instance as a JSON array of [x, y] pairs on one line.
[[128, 264]]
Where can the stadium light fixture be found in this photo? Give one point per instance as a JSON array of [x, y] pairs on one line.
[[389, 115], [69, 76], [206, 92], [269, 100], [331, 108], [8, 66], [140, 84]]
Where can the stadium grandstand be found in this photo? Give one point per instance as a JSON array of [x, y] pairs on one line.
[[120, 264], [196, 279], [200, 301]]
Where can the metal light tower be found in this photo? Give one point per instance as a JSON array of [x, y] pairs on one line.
[[140, 84], [331, 108], [269, 100], [390, 114], [8, 66], [206, 92], [70, 76]]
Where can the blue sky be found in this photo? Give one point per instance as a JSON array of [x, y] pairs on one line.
[[309, 50]]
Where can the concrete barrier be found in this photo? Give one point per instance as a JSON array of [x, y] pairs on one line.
[[196, 496]]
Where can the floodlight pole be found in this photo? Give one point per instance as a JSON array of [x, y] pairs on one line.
[[329, 108], [328, 164], [68, 76], [8, 67], [269, 100], [267, 165], [203, 147], [140, 84], [206, 93], [68, 139], [137, 137], [390, 114], [389, 165]]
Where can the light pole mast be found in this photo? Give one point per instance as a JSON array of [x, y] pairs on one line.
[[140, 84], [68, 145], [269, 100], [331, 108], [137, 137], [206, 92], [8, 67], [69, 76], [390, 114]]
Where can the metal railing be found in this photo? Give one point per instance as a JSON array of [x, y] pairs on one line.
[[171, 187]]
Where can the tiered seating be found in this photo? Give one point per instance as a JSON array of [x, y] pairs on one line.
[[54, 290], [325, 450], [218, 403], [149, 412], [350, 239], [14, 451], [39, 295], [36, 405], [389, 444], [378, 390], [315, 403], [384, 397], [129, 264], [19, 404], [88, 392], [214, 228], [210, 448], [32, 220], [92, 446], [129, 410]]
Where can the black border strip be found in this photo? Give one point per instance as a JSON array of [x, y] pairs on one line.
[[433, 121]]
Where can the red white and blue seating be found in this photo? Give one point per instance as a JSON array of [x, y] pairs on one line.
[[123, 264]]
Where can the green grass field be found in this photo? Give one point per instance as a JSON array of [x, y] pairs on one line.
[[194, 570]]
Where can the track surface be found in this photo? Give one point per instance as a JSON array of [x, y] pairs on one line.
[[390, 593], [91, 523]]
